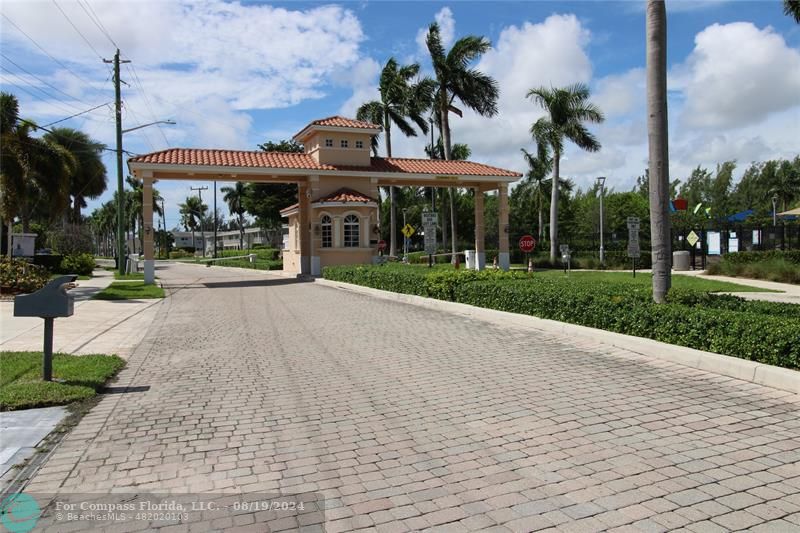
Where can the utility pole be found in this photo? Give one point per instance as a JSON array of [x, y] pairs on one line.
[[200, 196], [122, 235], [215, 219], [164, 224]]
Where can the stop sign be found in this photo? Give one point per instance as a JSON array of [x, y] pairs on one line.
[[527, 243], [381, 245]]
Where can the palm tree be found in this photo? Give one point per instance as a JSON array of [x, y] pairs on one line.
[[656, 35], [193, 212], [400, 100], [567, 108], [33, 169], [135, 207], [785, 184], [233, 196], [456, 80], [537, 176], [791, 8], [89, 177]]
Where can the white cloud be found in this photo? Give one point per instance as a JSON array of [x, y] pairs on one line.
[[736, 75], [447, 30], [550, 53], [210, 58], [619, 94]]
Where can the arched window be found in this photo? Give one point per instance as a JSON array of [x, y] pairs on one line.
[[351, 233], [327, 231]]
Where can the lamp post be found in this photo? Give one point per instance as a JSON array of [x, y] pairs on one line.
[[601, 180], [774, 210], [122, 233], [405, 239]]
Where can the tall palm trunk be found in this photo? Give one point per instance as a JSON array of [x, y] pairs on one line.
[[241, 232], [541, 219], [392, 195], [659, 150], [554, 207], [447, 146]]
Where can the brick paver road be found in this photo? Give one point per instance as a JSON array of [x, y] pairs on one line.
[[406, 419]]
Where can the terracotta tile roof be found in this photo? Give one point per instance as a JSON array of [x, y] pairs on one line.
[[344, 122], [346, 195], [431, 166], [287, 160], [229, 158], [293, 206]]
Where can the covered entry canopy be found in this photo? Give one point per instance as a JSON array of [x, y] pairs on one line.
[[336, 157]]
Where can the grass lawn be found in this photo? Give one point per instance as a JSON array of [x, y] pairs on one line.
[[613, 278], [133, 275], [133, 290], [642, 279], [21, 385]]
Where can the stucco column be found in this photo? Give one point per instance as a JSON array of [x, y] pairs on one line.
[[316, 237], [147, 217], [480, 230], [364, 231], [337, 228], [303, 214], [503, 257]]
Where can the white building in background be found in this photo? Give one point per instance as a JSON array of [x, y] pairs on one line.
[[226, 240]]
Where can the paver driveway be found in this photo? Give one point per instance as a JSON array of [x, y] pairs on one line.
[[405, 419]]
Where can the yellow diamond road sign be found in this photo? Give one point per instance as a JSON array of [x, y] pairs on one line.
[[408, 230], [692, 238]]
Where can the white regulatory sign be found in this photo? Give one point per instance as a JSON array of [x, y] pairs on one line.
[[429, 218]]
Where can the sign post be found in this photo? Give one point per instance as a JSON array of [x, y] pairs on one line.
[[634, 251], [526, 244], [566, 258], [429, 224]]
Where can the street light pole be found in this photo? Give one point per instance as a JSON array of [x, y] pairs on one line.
[[601, 181], [405, 239], [774, 210]]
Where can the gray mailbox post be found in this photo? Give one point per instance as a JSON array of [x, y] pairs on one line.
[[49, 302]]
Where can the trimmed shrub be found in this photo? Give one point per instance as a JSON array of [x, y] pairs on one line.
[[179, 254], [773, 265], [760, 331], [50, 262], [791, 256], [18, 276], [81, 264]]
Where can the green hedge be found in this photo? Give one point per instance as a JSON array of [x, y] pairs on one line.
[[760, 331], [792, 256], [81, 264]]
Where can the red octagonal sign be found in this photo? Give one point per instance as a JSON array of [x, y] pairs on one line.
[[527, 243]]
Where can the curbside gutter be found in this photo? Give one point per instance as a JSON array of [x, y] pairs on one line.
[[759, 373]]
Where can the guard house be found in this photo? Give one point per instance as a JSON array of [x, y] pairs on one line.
[[335, 220]]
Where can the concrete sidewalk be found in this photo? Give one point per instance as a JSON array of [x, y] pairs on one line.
[[98, 326], [789, 293]]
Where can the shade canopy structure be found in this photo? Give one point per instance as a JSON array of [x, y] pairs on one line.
[[790, 212], [335, 220]]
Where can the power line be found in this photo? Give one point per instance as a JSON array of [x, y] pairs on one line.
[[97, 22], [35, 125], [140, 88], [77, 30], [45, 52], [38, 78], [78, 114], [48, 97]]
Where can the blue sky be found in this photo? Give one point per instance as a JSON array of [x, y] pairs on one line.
[[236, 74]]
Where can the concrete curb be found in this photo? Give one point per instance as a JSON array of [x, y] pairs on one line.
[[758, 373]]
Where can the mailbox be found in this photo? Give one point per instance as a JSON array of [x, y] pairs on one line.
[[51, 301]]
